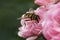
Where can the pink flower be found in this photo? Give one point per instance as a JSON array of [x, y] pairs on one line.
[[51, 21], [48, 25], [33, 27], [29, 29]]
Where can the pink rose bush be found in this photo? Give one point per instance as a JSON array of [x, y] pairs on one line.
[[48, 25]]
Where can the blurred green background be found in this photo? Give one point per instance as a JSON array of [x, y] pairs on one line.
[[10, 10]]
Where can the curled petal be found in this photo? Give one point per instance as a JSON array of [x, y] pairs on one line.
[[32, 38], [24, 34], [45, 2], [40, 11]]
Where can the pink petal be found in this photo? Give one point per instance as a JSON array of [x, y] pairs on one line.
[[32, 38]]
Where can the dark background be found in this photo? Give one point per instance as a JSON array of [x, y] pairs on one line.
[[10, 10]]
